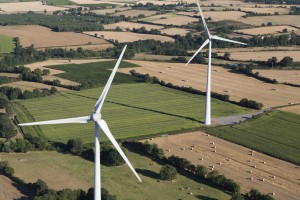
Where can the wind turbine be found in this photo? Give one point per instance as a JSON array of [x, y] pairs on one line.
[[207, 120], [99, 124]]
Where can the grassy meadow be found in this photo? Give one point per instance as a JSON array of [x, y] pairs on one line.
[[130, 110], [59, 2], [6, 44], [75, 172], [275, 133]]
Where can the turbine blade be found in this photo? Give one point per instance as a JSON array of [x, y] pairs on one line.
[[203, 19], [101, 99], [203, 45], [107, 132], [84, 119], [226, 40]]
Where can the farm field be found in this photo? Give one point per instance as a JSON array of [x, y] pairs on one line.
[[8, 189], [289, 76], [174, 31], [74, 172], [276, 129], [27, 36], [266, 9], [109, 10], [254, 49], [145, 56], [293, 109], [266, 30], [130, 110], [284, 185], [98, 2], [238, 86], [218, 15], [135, 13], [292, 20], [265, 55], [59, 2], [131, 25], [173, 19], [35, 6], [10, 75], [129, 36], [7, 44], [26, 85]]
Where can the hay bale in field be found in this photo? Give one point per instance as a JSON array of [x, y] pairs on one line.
[[161, 72], [168, 150], [200, 158]]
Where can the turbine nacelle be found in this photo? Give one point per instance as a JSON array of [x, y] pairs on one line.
[[96, 116]]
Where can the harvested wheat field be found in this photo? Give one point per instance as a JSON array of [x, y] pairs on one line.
[[265, 55], [11, 190], [266, 9], [35, 6], [48, 38], [289, 76], [43, 64], [266, 30], [238, 86], [97, 2], [131, 25], [292, 20], [156, 2], [254, 49], [174, 31], [218, 15], [129, 36], [2, 110], [292, 109], [109, 11], [235, 163], [135, 13], [11, 75], [170, 19], [25, 85]]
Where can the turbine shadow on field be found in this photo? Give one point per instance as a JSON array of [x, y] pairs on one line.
[[148, 173], [204, 197], [141, 108]]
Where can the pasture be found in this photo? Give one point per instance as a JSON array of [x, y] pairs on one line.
[[235, 162], [75, 172], [131, 110], [238, 86], [170, 19], [275, 133], [131, 25], [59, 2], [264, 55], [7, 44], [135, 13], [128, 36], [97, 2], [28, 36], [269, 30], [289, 76]]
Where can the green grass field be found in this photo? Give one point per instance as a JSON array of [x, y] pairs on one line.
[[59, 2], [4, 79], [130, 110], [95, 74], [276, 134], [6, 44], [73, 171]]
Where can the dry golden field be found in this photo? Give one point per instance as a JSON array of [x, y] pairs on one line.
[[293, 109], [35, 6], [2, 110], [135, 13], [175, 31], [289, 76], [11, 75], [157, 2], [218, 15], [25, 85], [129, 36], [266, 30], [97, 2], [238, 168], [275, 19], [266, 9], [264, 55], [8, 189], [109, 11], [173, 19], [254, 49], [131, 25], [48, 38], [238, 86]]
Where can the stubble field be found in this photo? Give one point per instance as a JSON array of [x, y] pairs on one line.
[[238, 86], [289, 76], [170, 18], [131, 25], [266, 30]]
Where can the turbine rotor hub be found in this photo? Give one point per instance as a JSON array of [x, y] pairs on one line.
[[96, 116]]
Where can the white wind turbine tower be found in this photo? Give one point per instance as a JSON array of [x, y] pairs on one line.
[[207, 120], [99, 124]]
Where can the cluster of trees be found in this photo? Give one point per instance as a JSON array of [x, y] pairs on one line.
[[70, 21], [273, 1], [111, 157], [251, 104], [143, 30], [7, 129], [16, 93], [167, 172], [294, 10], [151, 6], [254, 194], [16, 145], [284, 62]]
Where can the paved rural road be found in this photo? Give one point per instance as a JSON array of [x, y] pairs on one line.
[[235, 119]]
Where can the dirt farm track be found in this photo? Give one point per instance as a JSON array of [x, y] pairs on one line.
[[238, 86], [269, 175]]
